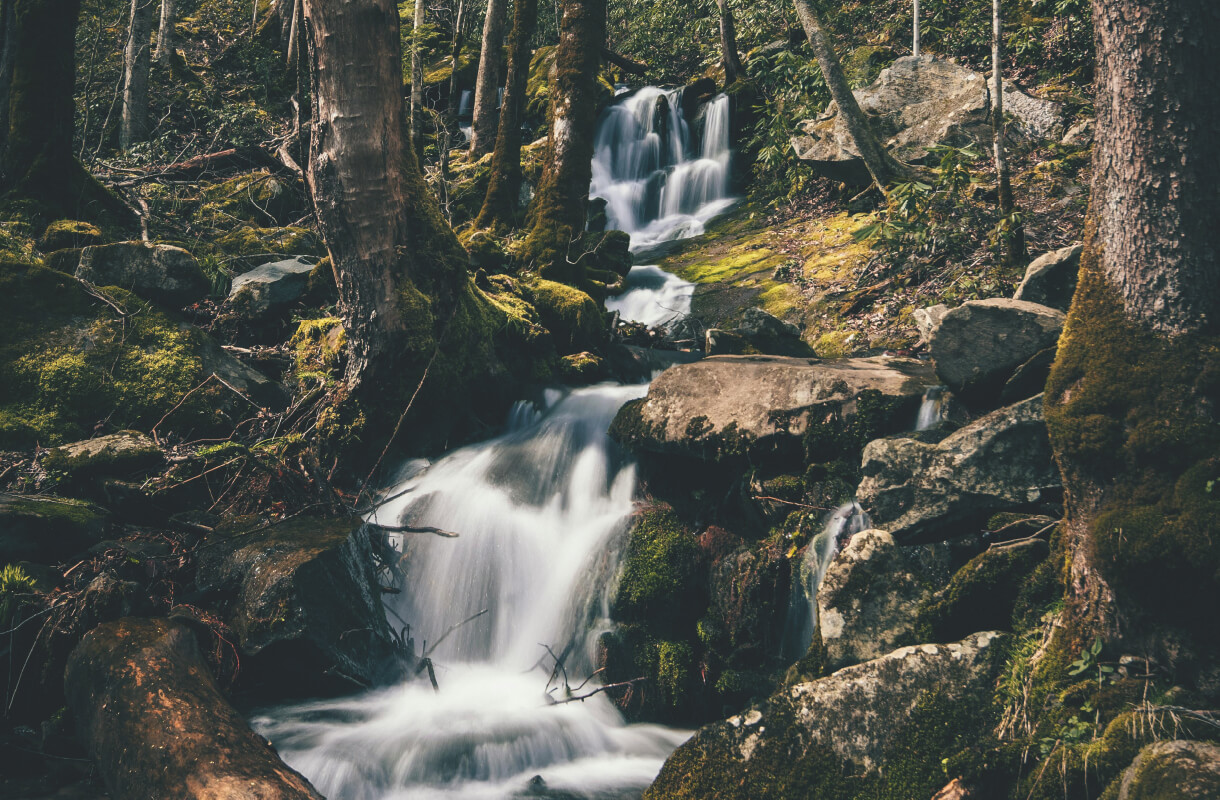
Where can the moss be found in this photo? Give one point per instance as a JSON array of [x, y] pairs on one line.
[[864, 64], [583, 367], [69, 233], [835, 344], [980, 596], [253, 245], [318, 347], [660, 585], [572, 317], [255, 198]]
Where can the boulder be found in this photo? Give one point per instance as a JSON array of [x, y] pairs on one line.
[[69, 233], [924, 492], [254, 385], [869, 595], [851, 734], [927, 320], [916, 104], [117, 455], [1173, 770], [159, 272], [1051, 278], [1081, 134], [303, 601], [720, 342], [730, 406], [980, 344], [771, 335], [47, 530], [271, 286], [151, 717]]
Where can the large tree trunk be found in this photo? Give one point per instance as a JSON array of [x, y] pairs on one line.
[[1014, 236], [417, 82], [166, 31], [728, 44], [881, 166], [397, 264], [8, 52], [558, 213], [499, 209], [486, 90], [133, 123], [1131, 403]]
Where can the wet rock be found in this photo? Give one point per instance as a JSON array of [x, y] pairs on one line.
[[253, 384], [153, 720], [851, 729], [1173, 770], [924, 492], [117, 455], [158, 272], [916, 104], [749, 593], [869, 595], [303, 601], [1051, 278], [47, 530], [927, 320], [271, 286], [731, 406], [583, 367], [982, 594], [980, 344]]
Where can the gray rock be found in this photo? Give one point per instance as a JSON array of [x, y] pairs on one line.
[[47, 530], [870, 594], [916, 104], [981, 343], [159, 272], [720, 342], [1173, 770], [1081, 134], [270, 286], [293, 594], [728, 405], [119, 454], [769, 334], [927, 320], [1051, 278], [250, 382], [923, 492], [853, 721]]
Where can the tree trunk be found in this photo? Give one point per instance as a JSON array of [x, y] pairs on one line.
[[1014, 235], [558, 213], [728, 44], [881, 166], [915, 30], [1132, 396], [397, 264], [8, 52], [417, 82], [455, 52], [133, 124], [165, 31], [499, 209], [487, 87]]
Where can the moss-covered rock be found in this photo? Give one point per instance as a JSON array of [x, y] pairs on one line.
[[660, 584], [47, 530], [573, 318], [256, 198], [69, 233], [249, 246], [115, 455], [1178, 770], [160, 272]]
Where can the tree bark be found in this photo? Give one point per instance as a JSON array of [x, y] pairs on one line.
[[499, 209], [397, 264], [915, 42], [558, 213], [728, 44], [488, 84], [1132, 396], [133, 124], [417, 82], [166, 31], [880, 164], [8, 52], [1014, 237]]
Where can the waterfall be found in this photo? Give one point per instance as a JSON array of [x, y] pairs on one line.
[[837, 528], [542, 512], [658, 182], [932, 409]]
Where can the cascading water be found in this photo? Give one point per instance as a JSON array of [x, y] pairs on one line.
[[542, 512], [660, 184], [932, 409]]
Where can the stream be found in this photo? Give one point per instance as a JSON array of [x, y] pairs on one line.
[[543, 512]]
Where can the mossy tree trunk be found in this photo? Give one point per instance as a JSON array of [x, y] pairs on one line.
[[880, 164], [1132, 399], [397, 264], [728, 44], [133, 122], [1014, 235], [558, 214], [417, 80], [36, 154], [499, 209], [487, 85]]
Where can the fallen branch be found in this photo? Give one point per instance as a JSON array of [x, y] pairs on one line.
[[790, 502], [451, 629], [599, 690], [413, 529], [624, 63]]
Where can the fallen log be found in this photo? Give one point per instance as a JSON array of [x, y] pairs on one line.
[[235, 159], [624, 63], [151, 717]]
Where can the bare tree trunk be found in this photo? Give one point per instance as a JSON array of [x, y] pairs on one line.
[[8, 52], [915, 31], [880, 164], [486, 90], [455, 51], [500, 204], [1014, 239], [397, 264], [133, 124], [558, 213], [728, 44], [417, 82], [1130, 404], [166, 32]]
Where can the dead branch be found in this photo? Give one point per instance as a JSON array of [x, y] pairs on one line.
[[624, 63], [413, 529], [451, 629], [790, 502], [599, 690]]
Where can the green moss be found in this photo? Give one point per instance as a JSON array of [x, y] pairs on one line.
[[318, 347], [660, 585], [252, 245], [572, 317], [255, 198], [980, 596], [69, 233], [864, 64], [835, 344]]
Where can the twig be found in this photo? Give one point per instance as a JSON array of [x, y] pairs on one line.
[[600, 689], [451, 629], [791, 503], [412, 529]]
